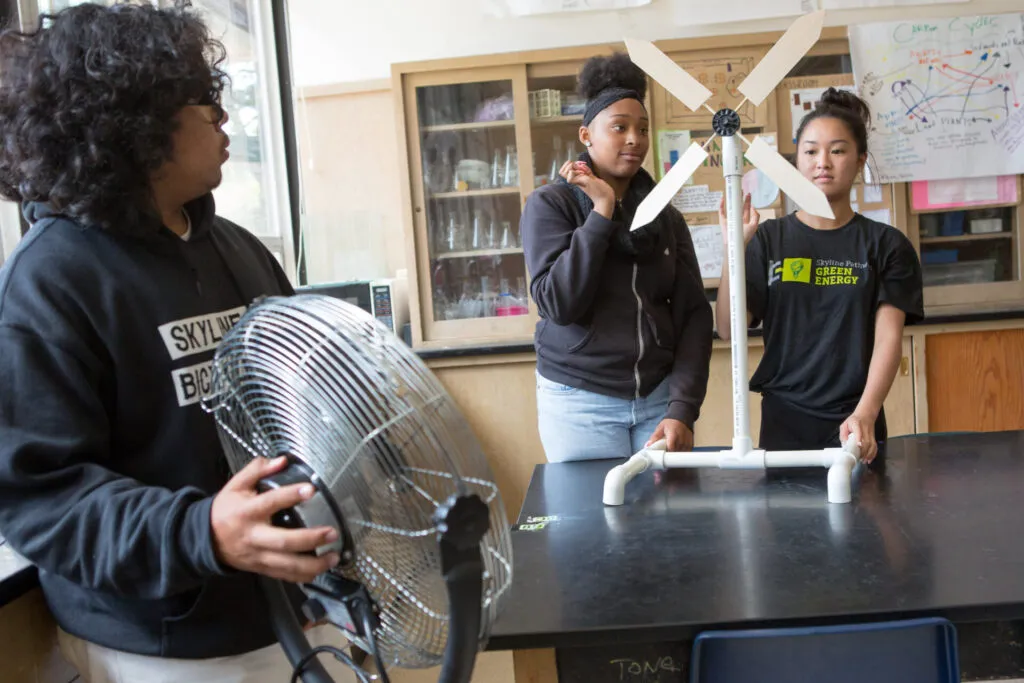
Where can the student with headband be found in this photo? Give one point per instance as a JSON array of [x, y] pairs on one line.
[[834, 295], [624, 340]]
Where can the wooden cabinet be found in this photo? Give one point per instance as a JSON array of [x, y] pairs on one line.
[[899, 404], [498, 396], [975, 380], [29, 635]]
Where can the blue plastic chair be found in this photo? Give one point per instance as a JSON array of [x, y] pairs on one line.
[[912, 651]]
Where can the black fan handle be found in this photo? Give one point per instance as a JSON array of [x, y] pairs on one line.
[[290, 634], [463, 522]]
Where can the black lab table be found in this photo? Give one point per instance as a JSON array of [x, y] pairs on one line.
[[615, 590]]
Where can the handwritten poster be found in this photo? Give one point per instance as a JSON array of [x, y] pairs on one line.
[[696, 199], [708, 244], [709, 249], [946, 95]]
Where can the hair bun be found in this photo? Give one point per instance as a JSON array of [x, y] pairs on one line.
[[615, 71], [844, 99]]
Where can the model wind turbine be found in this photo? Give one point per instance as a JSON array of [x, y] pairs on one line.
[[783, 56]]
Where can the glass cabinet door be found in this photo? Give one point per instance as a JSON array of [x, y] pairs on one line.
[[471, 187], [968, 247]]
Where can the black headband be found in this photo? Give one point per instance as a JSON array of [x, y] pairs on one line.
[[605, 99]]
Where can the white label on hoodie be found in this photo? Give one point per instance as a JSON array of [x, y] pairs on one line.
[[192, 383], [201, 333]]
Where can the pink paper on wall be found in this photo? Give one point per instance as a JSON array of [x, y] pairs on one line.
[[929, 195]]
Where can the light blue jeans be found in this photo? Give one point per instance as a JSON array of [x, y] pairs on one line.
[[575, 424]]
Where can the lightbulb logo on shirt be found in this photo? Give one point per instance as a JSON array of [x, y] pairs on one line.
[[796, 270]]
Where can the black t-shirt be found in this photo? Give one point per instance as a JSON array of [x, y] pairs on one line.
[[817, 292]]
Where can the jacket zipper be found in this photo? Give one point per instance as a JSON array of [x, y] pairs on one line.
[[639, 333]]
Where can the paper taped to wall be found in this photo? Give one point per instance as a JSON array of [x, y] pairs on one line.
[[523, 8], [945, 96]]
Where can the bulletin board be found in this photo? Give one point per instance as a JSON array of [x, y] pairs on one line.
[[720, 72]]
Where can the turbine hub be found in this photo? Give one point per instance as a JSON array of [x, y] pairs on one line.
[[726, 122]]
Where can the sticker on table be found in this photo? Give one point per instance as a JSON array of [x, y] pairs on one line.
[[535, 523], [763, 192]]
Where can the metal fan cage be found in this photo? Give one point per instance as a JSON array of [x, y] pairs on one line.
[[321, 380]]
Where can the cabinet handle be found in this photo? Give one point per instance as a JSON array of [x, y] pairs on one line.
[[904, 366]]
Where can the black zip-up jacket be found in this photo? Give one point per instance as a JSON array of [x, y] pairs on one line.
[[609, 323], [108, 463]]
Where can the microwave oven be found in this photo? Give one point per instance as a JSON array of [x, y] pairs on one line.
[[385, 299]]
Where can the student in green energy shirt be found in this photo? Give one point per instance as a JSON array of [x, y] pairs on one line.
[[833, 294]]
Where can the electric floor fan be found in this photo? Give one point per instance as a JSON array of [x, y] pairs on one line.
[[761, 82], [424, 540]]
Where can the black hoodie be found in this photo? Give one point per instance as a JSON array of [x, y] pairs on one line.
[[615, 321], [107, 460]]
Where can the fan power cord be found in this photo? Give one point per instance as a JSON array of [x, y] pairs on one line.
[[338, 654], [371, 640]]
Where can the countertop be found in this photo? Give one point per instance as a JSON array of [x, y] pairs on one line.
[[527, 347]]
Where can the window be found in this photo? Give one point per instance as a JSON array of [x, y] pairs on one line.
[[254, 191]]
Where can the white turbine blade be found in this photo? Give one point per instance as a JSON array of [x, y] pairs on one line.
[[670, 75], [663, 192], [806, 194], [794, 44]]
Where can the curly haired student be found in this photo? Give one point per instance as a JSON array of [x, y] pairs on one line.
[[112, 476]]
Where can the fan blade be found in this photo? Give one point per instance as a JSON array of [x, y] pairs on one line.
[[806, 194], [794, 44], [670, 75], [663, 192]]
